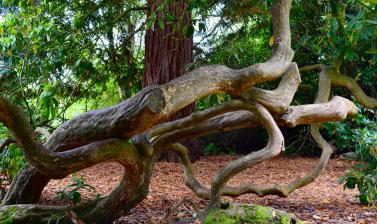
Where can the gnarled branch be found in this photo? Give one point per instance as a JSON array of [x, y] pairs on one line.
[[58, 164], [338, 79]]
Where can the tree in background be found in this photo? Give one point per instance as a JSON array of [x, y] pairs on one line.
[[63, 53], [168, 52], [135, 131]]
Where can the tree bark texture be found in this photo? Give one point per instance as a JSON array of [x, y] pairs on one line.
[[167, 53], [135, 132]]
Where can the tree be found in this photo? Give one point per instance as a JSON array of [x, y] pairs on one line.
[[168, 50], [48, 46], [134, 131]]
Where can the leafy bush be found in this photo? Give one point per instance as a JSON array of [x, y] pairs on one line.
[[343, 42], [357, 134], [7, 218], [11, 161], [364, 176], [360, 136], [71, 192]]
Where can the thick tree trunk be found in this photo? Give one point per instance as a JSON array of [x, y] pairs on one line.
[[167, 53], [26, 187]]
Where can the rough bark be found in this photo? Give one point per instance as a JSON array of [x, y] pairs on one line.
[[167, 50], [103, 135], [167, 53], [85, 129]]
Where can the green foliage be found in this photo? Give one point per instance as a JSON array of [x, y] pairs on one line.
[[345, 39], [54, 54], [3, 132], [249, 45], [11, 160], [359, 135], [364, 176], [71, 192], [48, 102], [7, 218]]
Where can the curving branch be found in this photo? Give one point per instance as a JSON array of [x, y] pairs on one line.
[[335, 110], [132, 189], [224, 122], [349, 83], [129, 192], [123, 120], [278, 100], [284, 190], [323, 113], [101, 135], [338, 79], [274, 147], [58, 164]]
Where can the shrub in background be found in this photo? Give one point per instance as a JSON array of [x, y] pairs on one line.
[[359, 135]]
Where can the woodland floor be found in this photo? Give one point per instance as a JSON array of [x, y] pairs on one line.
[[323, 201]]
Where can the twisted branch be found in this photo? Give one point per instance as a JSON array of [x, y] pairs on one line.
[[100, 135], [338, 79]]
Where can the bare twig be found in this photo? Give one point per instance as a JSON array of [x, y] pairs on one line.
[[175, 208]]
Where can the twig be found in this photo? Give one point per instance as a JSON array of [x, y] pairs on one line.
[[175, 208]]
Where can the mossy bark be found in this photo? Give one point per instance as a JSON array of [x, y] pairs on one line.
[[245, 213], [104, 135]]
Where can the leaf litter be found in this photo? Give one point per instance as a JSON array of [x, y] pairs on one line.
[[322, 201]]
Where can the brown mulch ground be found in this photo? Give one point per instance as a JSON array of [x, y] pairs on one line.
[[323, 201]]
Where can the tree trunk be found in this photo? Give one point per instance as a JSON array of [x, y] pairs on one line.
[[104, 135], [167, 53]]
